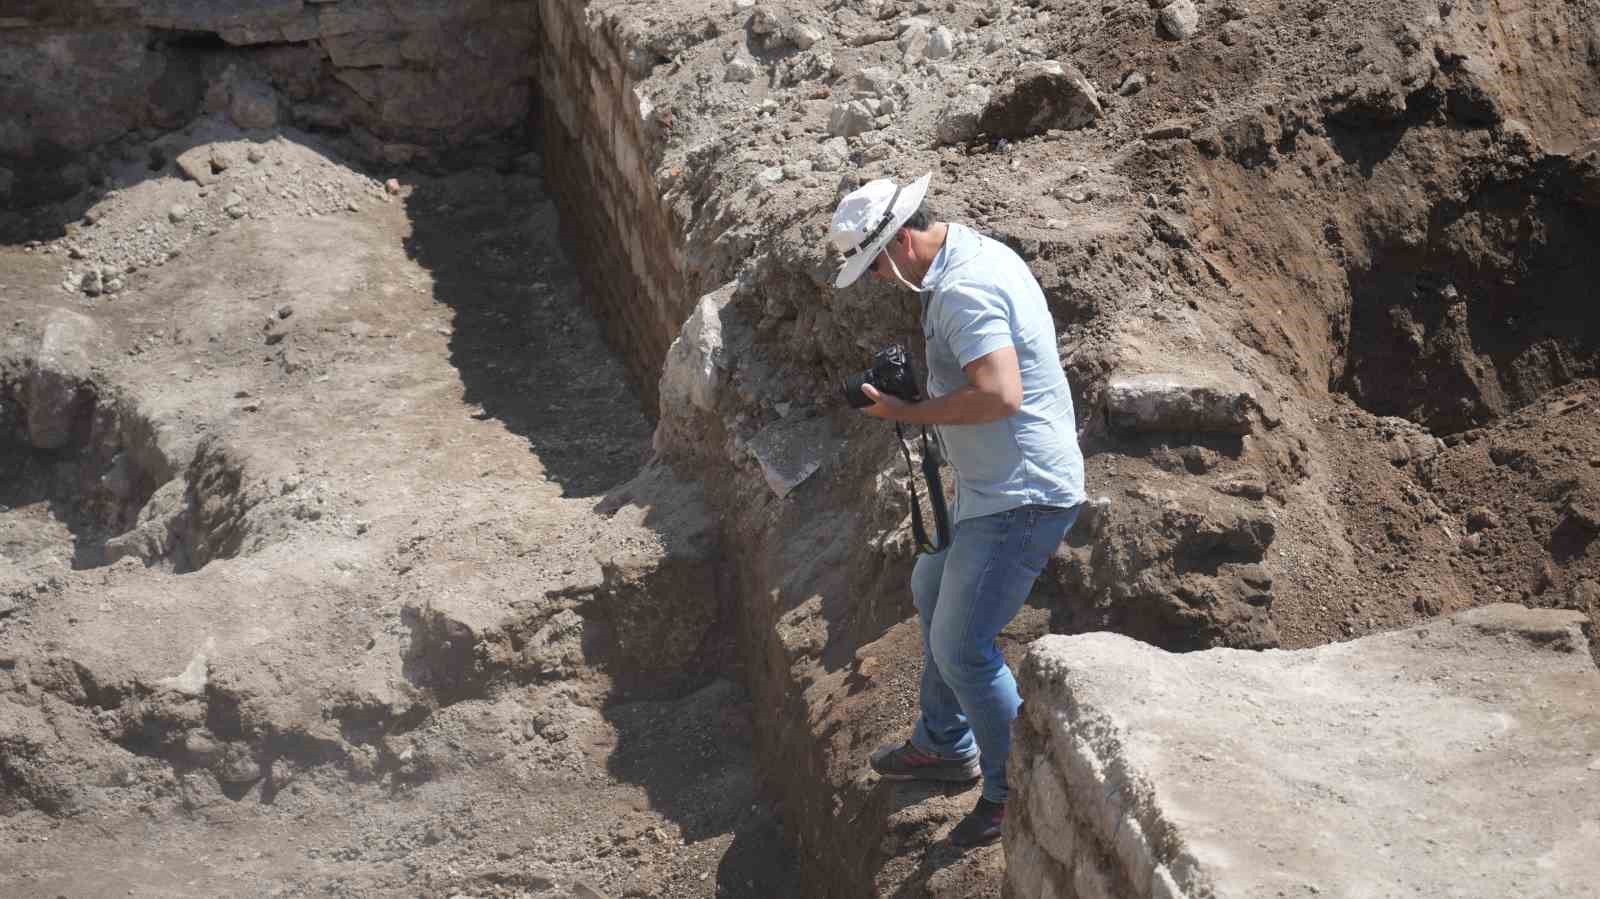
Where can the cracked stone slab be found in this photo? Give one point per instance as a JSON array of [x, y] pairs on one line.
[[790, 451]]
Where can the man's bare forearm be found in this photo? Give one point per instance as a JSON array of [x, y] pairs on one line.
[[966, 406]]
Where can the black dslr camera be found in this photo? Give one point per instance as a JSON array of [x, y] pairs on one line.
[[891, 372]]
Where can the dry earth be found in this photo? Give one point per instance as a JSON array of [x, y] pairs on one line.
[[369, 404], [333, 538]]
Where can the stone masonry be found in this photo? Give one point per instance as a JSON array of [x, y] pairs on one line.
[[1456, 758], [625, 240]]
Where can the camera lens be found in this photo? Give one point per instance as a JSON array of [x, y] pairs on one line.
[[853, 394]]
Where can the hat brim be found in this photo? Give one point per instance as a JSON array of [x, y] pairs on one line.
[[910, 201]]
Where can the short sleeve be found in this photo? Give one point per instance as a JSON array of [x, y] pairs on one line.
[[974, 321]]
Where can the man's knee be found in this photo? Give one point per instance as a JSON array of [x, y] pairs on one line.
[[961, 658]]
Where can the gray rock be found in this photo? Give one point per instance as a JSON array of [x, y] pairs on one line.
[[177, 212], [791, 450], [255, 153], [192, 680], [696, 365], [851, 118], [237, 765], [764, 21], [913, 40], [1301, 776], [253, 106], [834, 155], [1181, 402], [769, 177], [1169, 130], [1132, 84], [741, 69], [941, 43], [557, 647], [958, 121], [195, 163], [873, 81], [90, 283], [1180, 20], [803, 36], [202, 748], [1041, 97]]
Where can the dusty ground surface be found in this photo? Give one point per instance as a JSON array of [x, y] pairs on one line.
[[1368, 223], [1365, 222], [396, 396]]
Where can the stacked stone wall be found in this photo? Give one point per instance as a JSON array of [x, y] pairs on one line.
[[598, 160]]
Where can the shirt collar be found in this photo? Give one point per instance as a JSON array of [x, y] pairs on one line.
[[949, 256]]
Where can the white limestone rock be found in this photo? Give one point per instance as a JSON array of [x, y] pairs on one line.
[[695, 369], [1183, 402], [958, 121], [1180, 20], [851, 118], [1451, 758]]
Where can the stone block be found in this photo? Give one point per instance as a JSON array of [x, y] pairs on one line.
[[1182, 402], [58, 395], [1343, 770], [1050, 813], [696, 364]]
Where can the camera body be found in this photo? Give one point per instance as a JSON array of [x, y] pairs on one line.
[[891, 373]]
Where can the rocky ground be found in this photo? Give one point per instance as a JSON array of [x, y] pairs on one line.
[[315, 412], [319, 484]]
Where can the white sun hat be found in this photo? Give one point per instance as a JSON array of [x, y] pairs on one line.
[[868, 218]]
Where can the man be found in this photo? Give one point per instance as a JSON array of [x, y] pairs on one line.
[[1003, 412]]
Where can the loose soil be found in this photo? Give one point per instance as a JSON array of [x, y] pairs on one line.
[[415, 386]]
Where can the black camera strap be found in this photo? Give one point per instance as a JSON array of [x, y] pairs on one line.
[[930, 474]]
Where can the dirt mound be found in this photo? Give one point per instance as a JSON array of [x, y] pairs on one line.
[[252, 496], [1319, 272]]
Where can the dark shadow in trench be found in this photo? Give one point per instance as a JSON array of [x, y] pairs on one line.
[[527, 348], [692, 755]]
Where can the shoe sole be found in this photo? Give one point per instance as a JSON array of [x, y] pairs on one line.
[[947, 777], [984, 842]]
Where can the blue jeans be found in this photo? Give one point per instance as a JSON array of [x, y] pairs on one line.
[[965, 596]]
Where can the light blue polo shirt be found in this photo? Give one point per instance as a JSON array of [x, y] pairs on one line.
[[980, 297]]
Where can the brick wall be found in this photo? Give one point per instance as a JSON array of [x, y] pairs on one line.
[[597, 160]]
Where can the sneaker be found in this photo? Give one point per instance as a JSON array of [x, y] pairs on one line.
[[907, 762], [981, 826]]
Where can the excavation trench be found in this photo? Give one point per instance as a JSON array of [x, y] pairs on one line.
[[83, 479], [1485, 314]]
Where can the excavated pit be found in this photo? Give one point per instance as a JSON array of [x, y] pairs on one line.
[[520, 698], [85, 488], [87, 483], [1482, 314]]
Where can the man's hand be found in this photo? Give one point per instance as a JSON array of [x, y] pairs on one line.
[[993, 391], [886, 407]]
